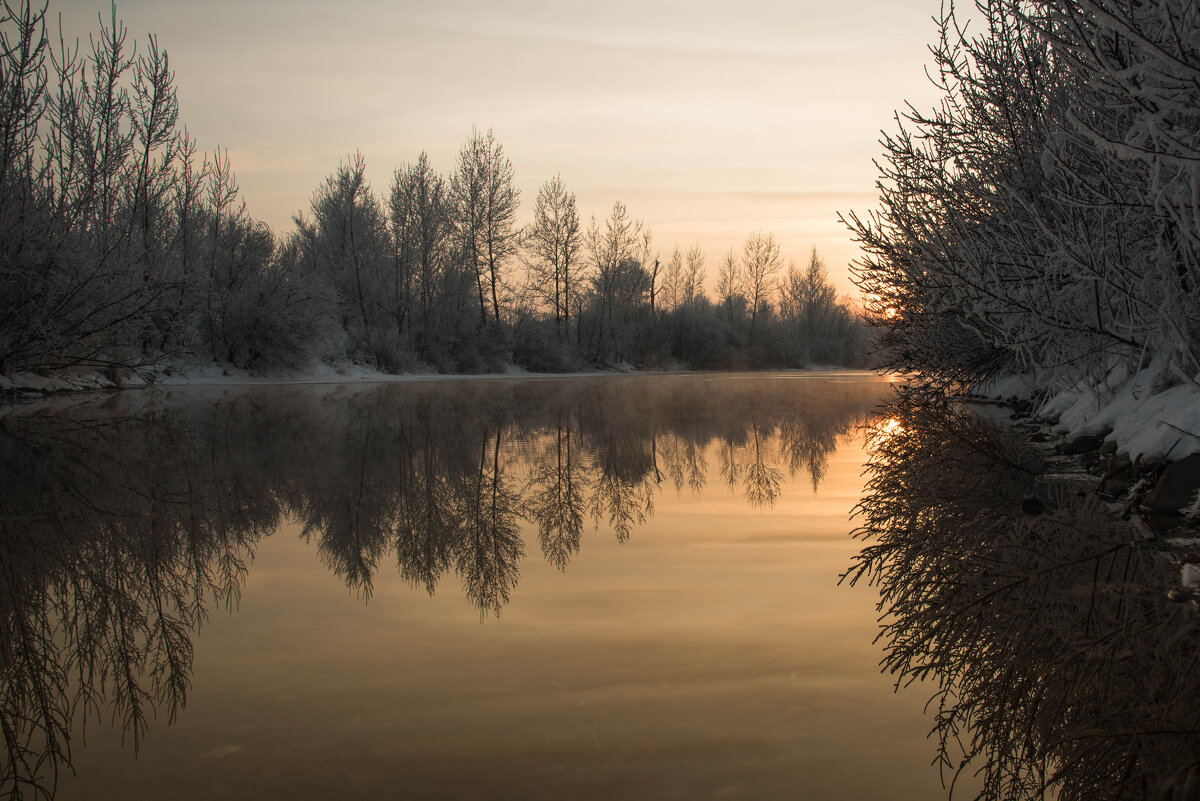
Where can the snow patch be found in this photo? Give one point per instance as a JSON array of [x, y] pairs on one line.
[[1191, 512], [1189, 577], [1011, 387], [1145, 419], [1143, 423]]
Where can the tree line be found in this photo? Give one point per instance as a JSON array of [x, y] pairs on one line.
[[1046, 215], [121, 246]]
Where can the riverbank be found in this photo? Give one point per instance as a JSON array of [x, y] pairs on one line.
[[1133, 444], [1145, 416], [1137, 445]]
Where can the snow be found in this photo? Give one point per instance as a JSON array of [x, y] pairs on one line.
[[1012, 387], [214, 375], [221, 375], [68, 381], [1190, 577], [1144, 421], [1191, 512]]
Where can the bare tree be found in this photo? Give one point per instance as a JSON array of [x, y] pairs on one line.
[[692, 287], [618, 280], [673, 280], [760, 265], [729, 282], [485, 209], [552, 241]]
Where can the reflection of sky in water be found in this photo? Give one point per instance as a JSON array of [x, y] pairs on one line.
[[710, 654]]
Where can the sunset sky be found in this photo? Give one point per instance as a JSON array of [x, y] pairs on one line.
[[710, 120]]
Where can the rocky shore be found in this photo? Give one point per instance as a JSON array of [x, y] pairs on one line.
[[1159, 496]]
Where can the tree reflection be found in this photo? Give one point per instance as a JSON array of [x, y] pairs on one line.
[[427, 520], [111, 555], [490, 549], [353, 514], [126, 520], [685, 464], [556, 497], [1062, 669], [763, 480]]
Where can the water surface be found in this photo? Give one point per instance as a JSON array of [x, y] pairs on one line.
[[1039, 613], [570, 588]]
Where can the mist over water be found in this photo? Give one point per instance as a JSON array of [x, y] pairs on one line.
[[581, 586], [584, 587]]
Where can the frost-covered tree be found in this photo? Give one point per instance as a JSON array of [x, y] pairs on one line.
[[347, 239], [761, 263], [618, 282], [729, 283], [823, 327], [673, 279], [692, 284], [1044, 214], [807, 299], [88, 147], [422, 281], [484, 201], [121, 247], [552, 242]]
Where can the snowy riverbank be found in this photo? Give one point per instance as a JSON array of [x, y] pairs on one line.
[[1143, 418], [1132, 441]]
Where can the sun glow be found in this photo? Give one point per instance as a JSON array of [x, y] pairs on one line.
[[888, 429]]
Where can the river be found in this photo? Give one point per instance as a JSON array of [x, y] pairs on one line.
[[587, 587]]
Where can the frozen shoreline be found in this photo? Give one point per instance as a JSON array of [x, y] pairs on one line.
[[1145, 422], [1136, 448]]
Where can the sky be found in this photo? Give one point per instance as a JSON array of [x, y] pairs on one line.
[[709, 120]]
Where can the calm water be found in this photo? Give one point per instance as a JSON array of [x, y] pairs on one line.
[[1038, 613], [572, 588], [575, 588]]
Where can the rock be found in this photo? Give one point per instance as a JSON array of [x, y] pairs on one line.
[[1080, 479], [1119, 477], [1117, 484], [1117, 462], [1183, 594], [1085, 444], [1189, 584], [1177, 487]]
